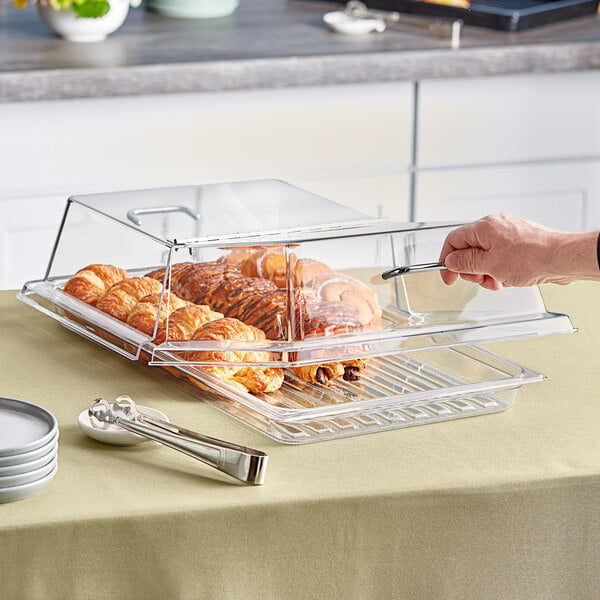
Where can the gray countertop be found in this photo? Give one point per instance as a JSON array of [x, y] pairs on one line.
[[266, 44]]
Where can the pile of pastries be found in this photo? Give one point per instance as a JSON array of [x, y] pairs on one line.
[[249, 295]]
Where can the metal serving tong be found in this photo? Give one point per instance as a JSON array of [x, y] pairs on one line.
[[245, 464]]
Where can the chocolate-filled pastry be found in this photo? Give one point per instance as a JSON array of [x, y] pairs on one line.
[[321, 373], [124, 295], [336, 286], [144, 314], [227, 329], [353, 368], [184, 321], [92, 282]]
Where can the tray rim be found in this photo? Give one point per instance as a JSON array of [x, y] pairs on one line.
[[294, 415]]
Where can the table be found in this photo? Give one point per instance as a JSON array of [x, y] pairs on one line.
[[504, 506]]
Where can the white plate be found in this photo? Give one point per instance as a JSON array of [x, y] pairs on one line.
[[31, 465], [113, 434], [22, 478], [25, 457], [24, 427], [19, 492]]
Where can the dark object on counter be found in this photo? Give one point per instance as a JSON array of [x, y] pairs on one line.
[[507, 15]]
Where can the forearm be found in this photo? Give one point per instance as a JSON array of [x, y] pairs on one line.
[[576, 256]]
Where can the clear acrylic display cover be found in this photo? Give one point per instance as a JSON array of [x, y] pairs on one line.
[[307, 272]]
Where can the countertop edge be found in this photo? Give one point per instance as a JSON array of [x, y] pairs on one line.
[[295, 71]]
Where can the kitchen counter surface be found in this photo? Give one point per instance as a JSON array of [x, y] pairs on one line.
[[266, 44], [497, 506]]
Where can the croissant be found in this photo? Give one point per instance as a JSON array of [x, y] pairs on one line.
[[92, 282], [124, 295], [144, 314], [184, 321], [253, 379]]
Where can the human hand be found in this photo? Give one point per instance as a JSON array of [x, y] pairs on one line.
[[503, 250]]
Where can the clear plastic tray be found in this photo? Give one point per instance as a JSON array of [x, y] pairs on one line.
[[397, 390], [322, 264]]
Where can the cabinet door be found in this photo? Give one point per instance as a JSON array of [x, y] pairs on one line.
[[375, 195], [28, 229], [564, 196], [199, 138], [508, 119]]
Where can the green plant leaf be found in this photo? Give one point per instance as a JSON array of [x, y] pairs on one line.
[[91, 9]]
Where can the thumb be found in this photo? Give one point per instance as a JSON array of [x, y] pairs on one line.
[[469, 260]]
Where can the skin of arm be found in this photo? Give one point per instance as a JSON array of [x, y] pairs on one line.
[[504, 250]]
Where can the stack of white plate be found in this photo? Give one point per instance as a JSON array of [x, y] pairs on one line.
[[28, 449]]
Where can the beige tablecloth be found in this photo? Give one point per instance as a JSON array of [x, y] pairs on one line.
[[503, 506]]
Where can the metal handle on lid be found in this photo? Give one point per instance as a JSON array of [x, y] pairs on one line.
[[132, 213], [436, 266]]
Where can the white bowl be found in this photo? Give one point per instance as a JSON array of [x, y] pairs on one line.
[[69, 26], [113, 434], [340, 22]]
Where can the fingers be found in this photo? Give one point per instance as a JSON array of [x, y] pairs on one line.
[[448, 277], [469, 260]]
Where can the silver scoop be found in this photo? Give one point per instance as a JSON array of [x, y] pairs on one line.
[[245, 464]]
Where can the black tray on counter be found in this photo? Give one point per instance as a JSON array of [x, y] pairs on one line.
[[506, 15]]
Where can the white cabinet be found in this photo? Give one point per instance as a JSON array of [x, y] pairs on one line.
[[527, 145], [508, 119], [353, 142], [375, 195], [563, 195], [28, 229]]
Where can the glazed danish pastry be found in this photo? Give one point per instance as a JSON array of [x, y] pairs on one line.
[[92, 282], [307, 269], [344, 288], [269, 263], [124, 295], [228, 295]]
